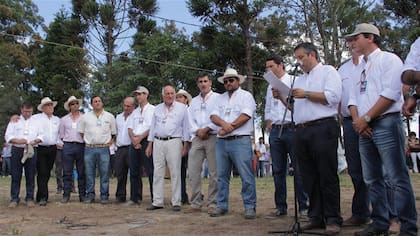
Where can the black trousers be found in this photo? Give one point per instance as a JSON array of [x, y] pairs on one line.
[[316, 152], [121, 170], [140, 165], [184, 166], [44, 164]]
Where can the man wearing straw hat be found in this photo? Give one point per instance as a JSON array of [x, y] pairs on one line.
[[234, 115], [47, 149], [21, 134], [73, 149]]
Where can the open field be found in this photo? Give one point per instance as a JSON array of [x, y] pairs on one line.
[[77, 218]]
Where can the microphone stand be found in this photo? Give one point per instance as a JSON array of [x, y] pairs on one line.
[[295, 230]]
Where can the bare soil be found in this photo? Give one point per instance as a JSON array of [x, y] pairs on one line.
[[76, 218]]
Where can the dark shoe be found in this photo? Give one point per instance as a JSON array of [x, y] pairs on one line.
[[332, 230], [82, 199], [250, 213], [371, 231], [176, 208], [218, 212], [312, 225], [43, 202], [120, 200], [65, 199], [152, 208], [355, 221], [88, 201]]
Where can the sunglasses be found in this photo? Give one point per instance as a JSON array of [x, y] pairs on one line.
[[230, 80]]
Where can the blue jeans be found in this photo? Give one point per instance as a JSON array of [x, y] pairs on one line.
[[101, 157], [360, 202], [384, 152], [73, 153], [30, 169], [279, 148], [239, 153]]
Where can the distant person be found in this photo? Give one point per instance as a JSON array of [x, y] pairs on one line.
[[414, 149], [6, 155]]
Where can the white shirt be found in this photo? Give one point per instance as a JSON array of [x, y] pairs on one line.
[[140, 120], [200, 110], [261, 148], [23, 129], [97, 129], [50, 127], [172, 122], [274, 108], [230, 108], [383, 78], [412, 62], [322, 78], [350, 76], [123, 139]]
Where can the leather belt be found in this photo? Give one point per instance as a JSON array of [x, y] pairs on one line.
[[164, 138], [124, 146], [285, 126], [72, 142], [233, 137], [348, 118], [47, 146], [315, 122], [385, 116], [97, 145]]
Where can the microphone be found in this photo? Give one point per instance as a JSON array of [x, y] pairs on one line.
[[297, 64]]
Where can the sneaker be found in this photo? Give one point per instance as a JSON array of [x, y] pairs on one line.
[[218, 212], [30, 204], [370, 230], [250, 213], [13, 204]]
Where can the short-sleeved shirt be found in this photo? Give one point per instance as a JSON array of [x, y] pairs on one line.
[[97, 129], [230, 108]]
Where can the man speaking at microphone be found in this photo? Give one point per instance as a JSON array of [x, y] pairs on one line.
[[317, 94]]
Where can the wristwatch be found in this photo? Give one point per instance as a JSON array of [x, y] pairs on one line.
[[307, 94], [367, 118], [413, 92]]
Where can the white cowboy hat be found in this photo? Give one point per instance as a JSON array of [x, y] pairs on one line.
[[141, 89], [186, 94], [45, 101], [71, 99], [231, 73]]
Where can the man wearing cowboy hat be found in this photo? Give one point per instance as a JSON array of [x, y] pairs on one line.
[[21, 133], [73, 149], [47, 149], [97, 128], [375, 108], [234, 115], [184, 97], [203, 145]]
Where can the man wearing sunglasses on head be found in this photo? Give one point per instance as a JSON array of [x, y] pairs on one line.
[[234, 115]]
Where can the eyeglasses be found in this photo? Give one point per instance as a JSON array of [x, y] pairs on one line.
[[74, 103], [230, 80]]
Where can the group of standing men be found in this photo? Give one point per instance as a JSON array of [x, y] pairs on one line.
[[219, 126]]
